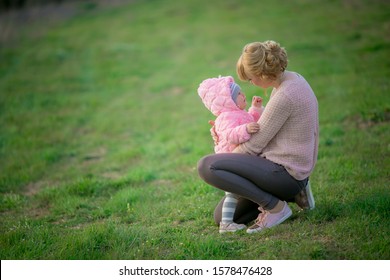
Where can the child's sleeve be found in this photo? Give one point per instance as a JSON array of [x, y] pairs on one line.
[[256, 112], [229, 130]]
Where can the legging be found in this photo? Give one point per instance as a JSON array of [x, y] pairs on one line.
[[258, 182]]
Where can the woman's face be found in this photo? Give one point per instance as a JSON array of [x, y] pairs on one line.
[[259, 82]]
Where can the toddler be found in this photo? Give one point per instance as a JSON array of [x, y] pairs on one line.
[[233, 126]]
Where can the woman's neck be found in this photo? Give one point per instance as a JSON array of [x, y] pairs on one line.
[[279, 80]]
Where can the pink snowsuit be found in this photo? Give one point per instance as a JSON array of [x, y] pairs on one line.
[[231, 121]]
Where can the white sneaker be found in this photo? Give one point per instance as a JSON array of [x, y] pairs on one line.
[[230, 227]]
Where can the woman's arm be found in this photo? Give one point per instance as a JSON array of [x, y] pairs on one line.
[[273, 118]]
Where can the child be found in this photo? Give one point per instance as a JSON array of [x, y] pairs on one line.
[[233, 126]]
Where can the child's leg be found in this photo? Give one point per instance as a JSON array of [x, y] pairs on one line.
[[246, 211], [229, 207]]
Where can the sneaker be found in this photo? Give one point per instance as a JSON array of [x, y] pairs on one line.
[[305, 198], [230, 227], [267, 219]]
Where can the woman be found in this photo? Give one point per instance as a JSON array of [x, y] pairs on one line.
[[274, 166]]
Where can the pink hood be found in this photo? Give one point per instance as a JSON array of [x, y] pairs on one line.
[[216, 95], [231, 121]]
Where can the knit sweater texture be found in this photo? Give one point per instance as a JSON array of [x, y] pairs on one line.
[[289, 128]]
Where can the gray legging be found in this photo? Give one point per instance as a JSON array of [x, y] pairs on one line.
[[258, 181]]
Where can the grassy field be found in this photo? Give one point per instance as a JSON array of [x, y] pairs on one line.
[[101, 129]]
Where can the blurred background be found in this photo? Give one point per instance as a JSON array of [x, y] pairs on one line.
[[101, 126]]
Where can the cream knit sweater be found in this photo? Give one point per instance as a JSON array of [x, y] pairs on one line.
[[288, 128]]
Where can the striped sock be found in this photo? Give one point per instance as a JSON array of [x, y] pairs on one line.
[[229, 207]]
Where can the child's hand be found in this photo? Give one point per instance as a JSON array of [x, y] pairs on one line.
[[252, 127], [257, 101]]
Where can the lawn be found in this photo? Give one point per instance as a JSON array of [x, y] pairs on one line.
[[101, 129]]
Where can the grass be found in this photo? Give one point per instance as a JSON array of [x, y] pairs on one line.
[[101, 131]]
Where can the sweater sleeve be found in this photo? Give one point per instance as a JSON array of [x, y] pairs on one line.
[[274, 116]]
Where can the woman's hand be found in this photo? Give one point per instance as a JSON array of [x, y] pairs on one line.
[[214, 134], [238, 150]]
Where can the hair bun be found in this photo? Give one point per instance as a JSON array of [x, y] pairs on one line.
[[264, 59]]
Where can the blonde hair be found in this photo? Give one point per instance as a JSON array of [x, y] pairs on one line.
[[266, 60]]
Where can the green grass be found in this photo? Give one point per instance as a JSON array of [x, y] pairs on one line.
[[101, 129]]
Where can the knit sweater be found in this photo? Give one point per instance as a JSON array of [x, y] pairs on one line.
[[289, 126]]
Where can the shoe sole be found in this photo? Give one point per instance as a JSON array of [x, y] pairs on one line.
[[226, 230], [310, 197], [288, 215]]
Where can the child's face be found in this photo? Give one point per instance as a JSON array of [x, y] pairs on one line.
[[241, 101]]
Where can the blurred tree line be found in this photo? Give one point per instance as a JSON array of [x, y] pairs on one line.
[[18, 4]]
